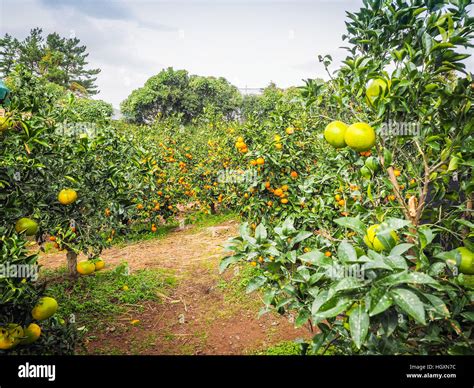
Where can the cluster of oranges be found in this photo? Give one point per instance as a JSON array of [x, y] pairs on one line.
[[257, 162], [280, 192], [241, 146]]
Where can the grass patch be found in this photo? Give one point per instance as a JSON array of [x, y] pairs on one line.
[[235, 289], [97, 298], [291, 348], [142, 232], [205, 220]]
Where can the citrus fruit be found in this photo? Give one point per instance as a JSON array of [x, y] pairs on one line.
[[334, 134], [45, 308], [85, 267], [32, 333], [467, 261], [375, 89], [99, 264], [27, 225], [4, 123], [67, 196], [466, 280], [372, 241], [10, 336], [360, 137], [372, 163]]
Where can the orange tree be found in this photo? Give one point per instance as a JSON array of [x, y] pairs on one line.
[[397, 277], [60, 181]]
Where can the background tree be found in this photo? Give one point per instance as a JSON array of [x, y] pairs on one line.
[[176, 93], [57, 59]]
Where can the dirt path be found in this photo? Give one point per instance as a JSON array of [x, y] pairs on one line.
[[203, 314]]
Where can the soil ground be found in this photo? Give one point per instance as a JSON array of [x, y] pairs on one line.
[[202, 314]]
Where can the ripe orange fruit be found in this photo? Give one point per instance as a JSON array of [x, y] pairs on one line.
[[99, 264], [290, 130], [337, 197], [341, 202], [294, 174], [327, 254], [67, 196], [284, 187], [334, 134], [260, 161], [278, 192], [139, 206], [360, 137], [396, 172], [253, 162], [267, 184], [32, 333], [253, 263], [52, 238], [284, 201]]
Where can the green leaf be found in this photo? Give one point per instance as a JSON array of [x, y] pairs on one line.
[[352, 223], [359, 324], [409, 302], [224, 264], [380, 301], [302, 318], [260, 233], [438, 304], [400, 249], [346, 252], [316, 257], [255, 284]]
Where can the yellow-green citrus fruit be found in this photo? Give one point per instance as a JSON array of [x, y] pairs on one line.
[[99, 264], [85, 267], [4, 123], [334, 134], [10, 336], [466, 280], [376, 88], [360, 137], [32, 333], [67, 196], [373, 242], [27, 225], [467, 261], [45, 308]]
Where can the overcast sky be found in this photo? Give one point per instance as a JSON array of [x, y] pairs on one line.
[[248, 42]]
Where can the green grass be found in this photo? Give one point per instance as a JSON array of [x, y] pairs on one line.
[[203, 220], [286, 348], [99, 297], [234, 289], [142, 232], [290, 348]]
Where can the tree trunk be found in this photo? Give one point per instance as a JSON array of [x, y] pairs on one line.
[[72, 263]]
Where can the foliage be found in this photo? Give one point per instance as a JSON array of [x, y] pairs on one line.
[[58, 60], [176, 93]]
